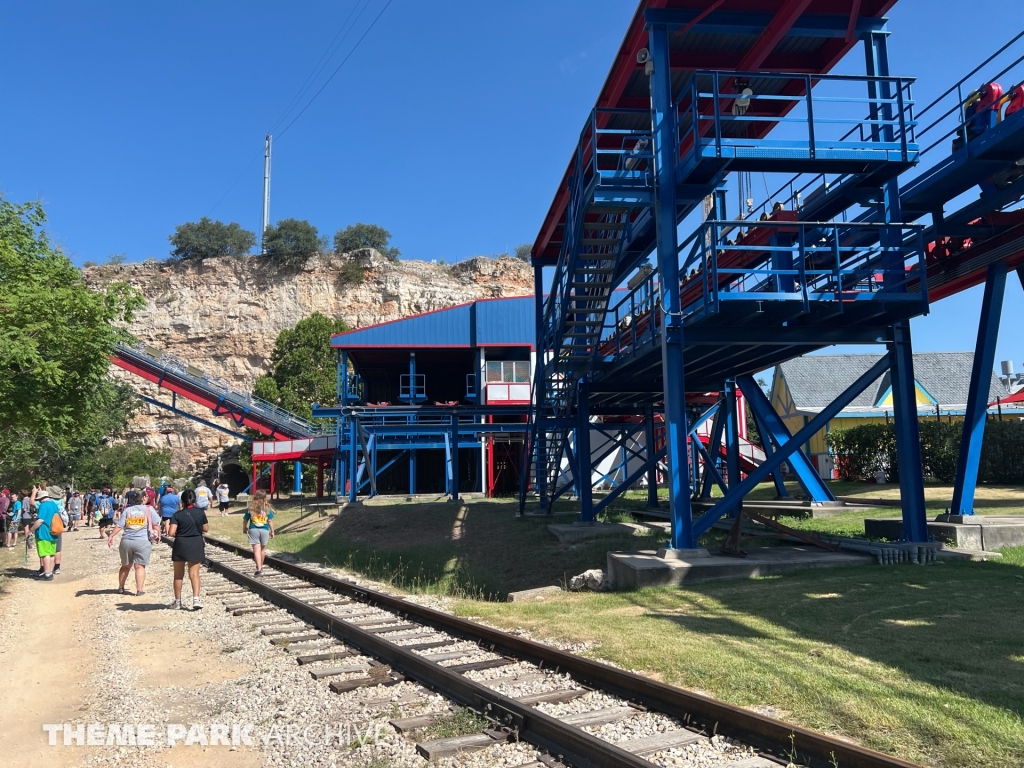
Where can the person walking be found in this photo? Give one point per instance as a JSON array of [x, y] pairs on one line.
[[75, 506], [258, 524], [138, 524], [13, 521], [105, 510], [170, 503], [5, 517], [187, 526], [46, 528], [223, 498], [203, 496]]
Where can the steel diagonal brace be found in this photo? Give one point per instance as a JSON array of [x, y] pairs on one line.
[[778, 434], [786, 449], [633, 478]]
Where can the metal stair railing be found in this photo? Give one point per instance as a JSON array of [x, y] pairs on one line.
[[275, 416]]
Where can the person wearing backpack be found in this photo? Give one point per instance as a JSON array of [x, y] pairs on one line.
[[47, 527]]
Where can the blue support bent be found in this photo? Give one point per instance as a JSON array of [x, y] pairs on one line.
[[584, 459], [977, 399], [908, 437], [663, 113]]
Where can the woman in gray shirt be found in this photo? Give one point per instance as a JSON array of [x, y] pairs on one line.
[[136, 523]]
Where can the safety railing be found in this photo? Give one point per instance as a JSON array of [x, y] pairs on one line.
[[810, 116], [214, 385], [801, 261], [412, 387], [783, 261], [952, 122]]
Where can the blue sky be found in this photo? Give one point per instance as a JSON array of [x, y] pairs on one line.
[[450, 125]]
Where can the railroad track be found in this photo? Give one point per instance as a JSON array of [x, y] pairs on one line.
[[354, 637]]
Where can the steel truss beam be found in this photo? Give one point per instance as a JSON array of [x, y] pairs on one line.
[[738, 491], [778, 433], [205, 422]]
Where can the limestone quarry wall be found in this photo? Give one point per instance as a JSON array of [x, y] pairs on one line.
[[223, 315]]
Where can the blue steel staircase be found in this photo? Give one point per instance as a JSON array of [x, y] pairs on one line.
[[611, 193]]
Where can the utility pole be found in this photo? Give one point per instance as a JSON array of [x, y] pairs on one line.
[[266, 192]]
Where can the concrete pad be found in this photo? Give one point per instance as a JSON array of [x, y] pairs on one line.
[[981, 533], [578, 532], [634, 570]]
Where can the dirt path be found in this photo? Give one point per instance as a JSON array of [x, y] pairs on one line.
[[74, 651]]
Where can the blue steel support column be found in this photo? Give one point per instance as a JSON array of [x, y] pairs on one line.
[[353, 465], [341, 427], [977, 398], [584, 470], [652, 473], [453, 437], [908, 438], [412, 451], [665, 152], [540, 446], [297, 486], [732, 437]]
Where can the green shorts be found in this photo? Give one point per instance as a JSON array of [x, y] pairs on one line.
[[45, 548]]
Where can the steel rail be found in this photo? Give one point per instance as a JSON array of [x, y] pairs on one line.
[[525, 723], [773, 738]]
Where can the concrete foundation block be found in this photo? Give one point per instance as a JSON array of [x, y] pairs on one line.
[[635, 570]]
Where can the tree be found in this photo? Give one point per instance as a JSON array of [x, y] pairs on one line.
[[304, 366], [205, 239], [523, 251], [115, 465], [55, 393], [359, 235], [292, 241]]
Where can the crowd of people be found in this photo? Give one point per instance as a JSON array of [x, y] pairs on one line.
[[140, 516]]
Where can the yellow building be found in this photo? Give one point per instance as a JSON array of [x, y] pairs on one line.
[[804, 386]]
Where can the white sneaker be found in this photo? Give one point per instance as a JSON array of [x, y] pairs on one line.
[[175, 604], [197, 604]]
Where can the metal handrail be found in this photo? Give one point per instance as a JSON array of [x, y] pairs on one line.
[[251, 403]]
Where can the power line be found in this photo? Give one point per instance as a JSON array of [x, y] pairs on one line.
[[308, 103], [233, 183], [343, 61], [327, 55]]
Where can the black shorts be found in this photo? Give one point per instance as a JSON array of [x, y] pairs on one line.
[[188, 549], [106, 522], [224, 506], [4, 526]]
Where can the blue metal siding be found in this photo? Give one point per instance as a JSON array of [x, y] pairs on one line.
[[498, 322], [444, 328], [505, 321]]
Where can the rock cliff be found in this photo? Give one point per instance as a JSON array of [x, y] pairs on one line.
[[223, 315]]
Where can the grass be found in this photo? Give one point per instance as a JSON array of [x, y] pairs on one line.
[[478, 549], [925, 663], [461, 722]]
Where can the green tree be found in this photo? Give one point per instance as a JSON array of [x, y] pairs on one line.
[[359, 235], [56, 335], [292, 241], [115, 465], [206, 239], [523, 251], [304, 366]]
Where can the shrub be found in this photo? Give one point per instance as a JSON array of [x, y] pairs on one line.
[[206, 239], [291, 241], [359, 235], [862, 451]]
